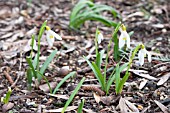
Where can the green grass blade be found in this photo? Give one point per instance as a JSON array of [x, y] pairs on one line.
[[80, 5], [45, 80], [8, 95], [35, 61], [99, 8], [47, 62], [97, 72], [73, 94], [39, 38], [99, 75], [80, 108], [117, 75], [63, 80], [122, 67], [29, 61], [29, 77], [116, 46], [79, 20], [99, 59]]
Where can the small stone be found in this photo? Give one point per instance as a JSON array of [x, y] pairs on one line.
[[64, 71]]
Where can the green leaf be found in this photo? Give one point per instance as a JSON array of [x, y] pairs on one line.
[[35, 61], [80, 108], [8, 95], [63, 80], [29, 77], [73, 94], [117, 75], [122, 82], [99, 59], [47, 62], [122, 67], [79, 6], [116, 42], [29, 61], [97, 72]]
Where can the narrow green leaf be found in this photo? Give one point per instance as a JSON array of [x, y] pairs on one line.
[[117, 75], [8, 95], [29, 61], [116, 42], [47, 62], [80, 108], [99, 76], [39, 39], [35, 61], [122, 67], [99, 59], [97, 73], [73, 94], [79, 6], [122, 82], [63, 80], [29, 77]]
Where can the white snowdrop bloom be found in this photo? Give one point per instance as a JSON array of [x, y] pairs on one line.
[[124, 37], [29, 45], [99, 37], [50, 36], [142, 54]]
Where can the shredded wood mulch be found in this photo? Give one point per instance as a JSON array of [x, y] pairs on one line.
[[147, 89]]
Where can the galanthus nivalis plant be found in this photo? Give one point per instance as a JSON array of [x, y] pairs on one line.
[[50, 36], [142, 54], [124, 37]]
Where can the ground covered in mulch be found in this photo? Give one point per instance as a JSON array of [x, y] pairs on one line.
[[148, 87]]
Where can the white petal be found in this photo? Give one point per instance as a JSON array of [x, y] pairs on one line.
[[99, 38], [50, 40], [141, 57], [149, 56], [121, 41], [55, 35]]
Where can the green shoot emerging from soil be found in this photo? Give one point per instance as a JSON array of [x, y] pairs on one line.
[[5, 99]]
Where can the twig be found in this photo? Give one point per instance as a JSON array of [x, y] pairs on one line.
[[8, 77]]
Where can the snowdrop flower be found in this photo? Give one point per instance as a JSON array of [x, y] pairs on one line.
[[124, 37], [29, 45], [50, 36], [142, 54], [99, 37]]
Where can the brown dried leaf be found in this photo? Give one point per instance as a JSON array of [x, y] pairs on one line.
[[45, 87], [96, 97]]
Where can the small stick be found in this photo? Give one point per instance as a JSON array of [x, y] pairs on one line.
[[8, 77]]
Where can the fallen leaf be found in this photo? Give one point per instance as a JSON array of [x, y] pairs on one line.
[[96, 97], [142, 83], [59, 96], [45, 87], [163, 79]]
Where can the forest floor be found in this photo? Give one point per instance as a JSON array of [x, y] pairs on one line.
[[148, 86]]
